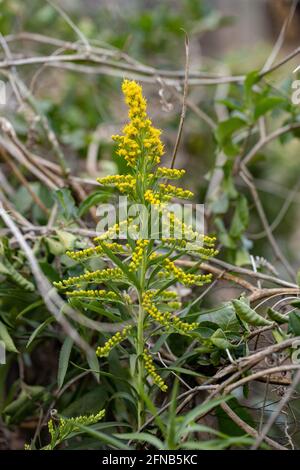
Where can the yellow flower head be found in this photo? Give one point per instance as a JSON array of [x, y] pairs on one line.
[[140, 141]]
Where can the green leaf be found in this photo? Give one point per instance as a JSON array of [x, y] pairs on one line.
[[219, 340], [251, 79], [104, 437], [248, 315], [276, 316], [267, 104], [294, 322], [120, 264], [38, 330], [55, 247], [199, 411], [67, 239], [224, 316], [226, 128], [142, 437], [92, 200], [66, 203], [224, 134], [94, 365], [240, 218], [64, 358], [7, 339], [218, 444], [279, 335]]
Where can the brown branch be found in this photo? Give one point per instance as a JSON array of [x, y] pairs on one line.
[[185, 93], [259, 374], [247, 428], [246, 177], [284, 401], [269, 138], [265, 293]]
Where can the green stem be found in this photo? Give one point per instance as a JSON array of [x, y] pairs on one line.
[[140, 379], [140, 345]]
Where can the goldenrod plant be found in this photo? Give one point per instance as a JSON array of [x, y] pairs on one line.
[[142, 273]]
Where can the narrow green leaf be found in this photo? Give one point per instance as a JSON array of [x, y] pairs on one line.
[[199, 411], [94, 365], [38, 330], [142, 437], [106, 438], [7, 339], [64, 358]]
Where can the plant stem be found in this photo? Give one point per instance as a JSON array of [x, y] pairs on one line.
[[140, 345], [140, 379]]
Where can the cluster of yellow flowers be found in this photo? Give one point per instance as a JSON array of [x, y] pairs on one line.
[[138, 253], [170, 173], [170, 269], [124, 183], [149, 366], [152, 197], [66, 426], [103, 351], [165, 295], [91, 276], [114, 230], [81, 255], [91, 294], [165, 319], [179, 242], [140, 138], [168, 190], [66, 423]]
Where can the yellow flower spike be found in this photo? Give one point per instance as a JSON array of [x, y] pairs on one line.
[[93, 276], [82, 255], [94, 294], [152, 198], [138, 253], [184, 278], [113, 231], [140, 138], [150, 368], [173, 191], [103, 351], [170, 173], [124, 183], [165, 319]]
